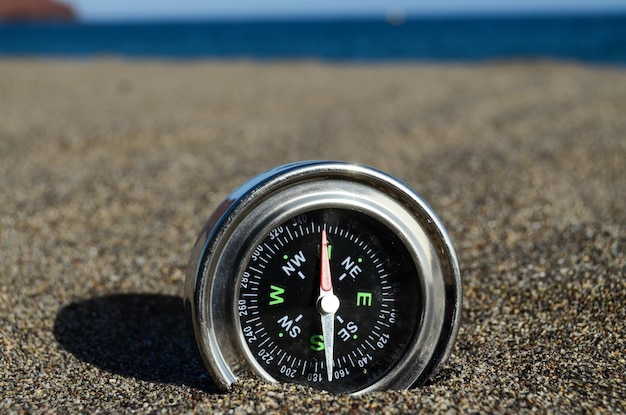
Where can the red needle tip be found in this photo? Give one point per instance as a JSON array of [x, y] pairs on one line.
[[326, 283]]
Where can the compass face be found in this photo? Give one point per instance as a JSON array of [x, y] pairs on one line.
[[374, 278], [327, 274]]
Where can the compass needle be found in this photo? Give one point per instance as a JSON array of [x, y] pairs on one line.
[[328, 304], [376, 306]]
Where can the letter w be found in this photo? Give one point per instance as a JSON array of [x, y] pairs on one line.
[[276, 295], [298, 259]]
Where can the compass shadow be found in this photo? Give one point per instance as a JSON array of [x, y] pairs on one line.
[[142, 336]]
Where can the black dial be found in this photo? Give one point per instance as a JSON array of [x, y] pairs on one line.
[[374, 278]]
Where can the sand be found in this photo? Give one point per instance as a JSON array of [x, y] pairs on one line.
[[108, 169]]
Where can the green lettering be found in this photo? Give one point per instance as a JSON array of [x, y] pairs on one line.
[[317, 342], [330, 251], [363, 298], [276, 295]]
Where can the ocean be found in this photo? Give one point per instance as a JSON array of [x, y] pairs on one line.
[[599, 39]]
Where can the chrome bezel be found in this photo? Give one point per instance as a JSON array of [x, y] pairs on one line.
[[245, 218]]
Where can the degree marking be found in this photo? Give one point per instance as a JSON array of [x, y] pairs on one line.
[[268, 247], [351, 362], [257, 271]]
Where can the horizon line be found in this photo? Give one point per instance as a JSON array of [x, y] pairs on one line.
[[365, 15]]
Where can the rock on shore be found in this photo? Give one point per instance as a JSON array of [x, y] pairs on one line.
[[39, 10]]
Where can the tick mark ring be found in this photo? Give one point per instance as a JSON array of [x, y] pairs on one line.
[[254, 297]]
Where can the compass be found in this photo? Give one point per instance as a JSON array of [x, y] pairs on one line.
[[327, 274]]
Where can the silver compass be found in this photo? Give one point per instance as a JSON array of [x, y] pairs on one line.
[[328, 274]]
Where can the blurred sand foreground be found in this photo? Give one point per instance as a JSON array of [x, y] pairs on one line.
[[109, 168]]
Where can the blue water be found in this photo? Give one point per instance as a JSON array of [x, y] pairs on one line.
[[592, 39]]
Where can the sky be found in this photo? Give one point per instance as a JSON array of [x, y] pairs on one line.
[[218, 9]]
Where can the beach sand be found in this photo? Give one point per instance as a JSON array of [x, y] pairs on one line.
[[109, 168]]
